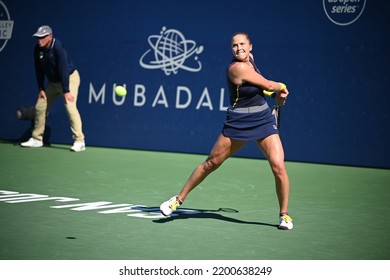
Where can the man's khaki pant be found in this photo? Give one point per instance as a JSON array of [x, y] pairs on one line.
[[53, 91]]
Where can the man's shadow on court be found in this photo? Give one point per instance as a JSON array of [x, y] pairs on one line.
[[187, 213]]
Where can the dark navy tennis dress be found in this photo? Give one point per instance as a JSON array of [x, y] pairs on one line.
[[249, 117]]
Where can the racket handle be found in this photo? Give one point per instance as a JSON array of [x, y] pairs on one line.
[[278, 111]]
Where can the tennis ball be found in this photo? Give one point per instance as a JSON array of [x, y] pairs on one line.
[[120, 90]]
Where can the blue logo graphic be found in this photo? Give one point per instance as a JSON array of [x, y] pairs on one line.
[[169, 51], [343, 12], [6, 25]]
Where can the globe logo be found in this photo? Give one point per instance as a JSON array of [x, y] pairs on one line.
[[169, 52]]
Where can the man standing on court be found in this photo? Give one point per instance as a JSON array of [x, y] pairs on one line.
[[52, 60]]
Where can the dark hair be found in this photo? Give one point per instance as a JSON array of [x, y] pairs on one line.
[[242, 33]]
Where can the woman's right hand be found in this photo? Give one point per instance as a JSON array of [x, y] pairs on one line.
[[281, 97]]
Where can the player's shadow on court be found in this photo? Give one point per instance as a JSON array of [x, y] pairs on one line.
[[186, 213]]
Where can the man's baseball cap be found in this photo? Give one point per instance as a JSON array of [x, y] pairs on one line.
[[43, 31]]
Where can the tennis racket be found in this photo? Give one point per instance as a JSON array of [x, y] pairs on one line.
[[276, 109]]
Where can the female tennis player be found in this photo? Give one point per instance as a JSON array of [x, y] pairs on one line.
[[249, 118]]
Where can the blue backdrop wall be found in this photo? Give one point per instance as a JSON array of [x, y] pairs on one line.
[[332, 54]]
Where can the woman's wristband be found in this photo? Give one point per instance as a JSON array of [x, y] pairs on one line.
[[282, 87]]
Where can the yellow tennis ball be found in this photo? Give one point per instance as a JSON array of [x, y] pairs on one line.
[[120, 90]]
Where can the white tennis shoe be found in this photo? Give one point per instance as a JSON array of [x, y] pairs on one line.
[[78, 146], [32, 143], [168, 207], [285, 222]]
